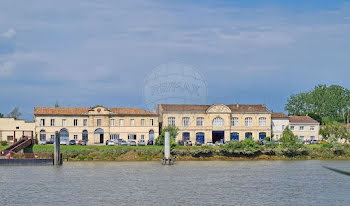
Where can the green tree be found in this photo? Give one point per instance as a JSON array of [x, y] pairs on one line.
[[1, 115], [289, 140], [174, 131], [332, 102], [15, 113]]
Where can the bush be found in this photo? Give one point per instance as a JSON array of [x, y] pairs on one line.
[[290, 141], [173, 134], [3, 143]]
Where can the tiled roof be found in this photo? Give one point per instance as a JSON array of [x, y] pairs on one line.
[[203, 108], [301, 119], [279, 116], [84, 110]]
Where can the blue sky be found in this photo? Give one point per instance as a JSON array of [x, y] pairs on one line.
[[84, 53]]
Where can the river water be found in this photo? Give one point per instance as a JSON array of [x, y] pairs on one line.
[[185, 183]]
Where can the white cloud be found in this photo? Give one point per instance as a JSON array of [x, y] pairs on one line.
[[9, 33], [6, 68]]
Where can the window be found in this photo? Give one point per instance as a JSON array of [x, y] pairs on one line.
[[234, 121], [171, 121], [85, 122], [42, 122], [312, 128], [52, 122], [75, 122], [143, 137], [132, 122], [218, 122], [151, 122], [99, 122], [75, 137], [64, 122], [302, 138], [301, 128], [262, 121], [200, 121], [114, 136], [112, 122], [186, 121], [142, 122], [312, 137], [248, 121], [43, 135], [121, 122], [131, 136], [292, 128], [52, 137], [17, 127], [283, 127]]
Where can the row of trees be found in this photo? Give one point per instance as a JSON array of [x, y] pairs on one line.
[[324, 103]]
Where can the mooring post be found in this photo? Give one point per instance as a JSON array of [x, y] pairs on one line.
[[167, 160], [57, 152]]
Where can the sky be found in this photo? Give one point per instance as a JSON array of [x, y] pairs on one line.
[[87, 53]]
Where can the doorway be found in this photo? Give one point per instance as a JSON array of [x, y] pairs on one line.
[[218, 136]]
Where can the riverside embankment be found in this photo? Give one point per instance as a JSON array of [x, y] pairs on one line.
[[153, 153]]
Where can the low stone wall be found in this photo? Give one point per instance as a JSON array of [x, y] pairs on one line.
[[26, 162]]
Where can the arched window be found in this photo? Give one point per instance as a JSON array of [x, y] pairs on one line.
[[262, 135], [185, 136], [248, 122], [218, 122], [234, 136], [85, 135], [151, 135], [248, 135], [262, 121], [42, 136], [200, 137], [64, 135]]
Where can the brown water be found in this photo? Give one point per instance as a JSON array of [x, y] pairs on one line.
[[186, 183]]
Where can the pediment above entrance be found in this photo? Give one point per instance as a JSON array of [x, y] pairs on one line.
[[218, 108], [99, 110]]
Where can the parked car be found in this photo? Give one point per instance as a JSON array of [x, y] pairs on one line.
[[72, 142], [122, 143], [210, 144], [313, 141], [198, 143], [82, 142], [142, 143], [110, 143], [218, 143], [188, 143], [181, 143], [64, 142], [42, 142], [51, 141], [132, 143], [150, 142]]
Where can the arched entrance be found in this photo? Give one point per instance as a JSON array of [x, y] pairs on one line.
[[85, 135], [100, 135], [64, 135], [200, 137], [42, 136], [151, 135]]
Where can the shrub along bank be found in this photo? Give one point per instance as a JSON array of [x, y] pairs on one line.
[[247, 149]]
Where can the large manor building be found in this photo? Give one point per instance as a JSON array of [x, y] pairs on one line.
[[96, 124], [217, 122], [198, 123]]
